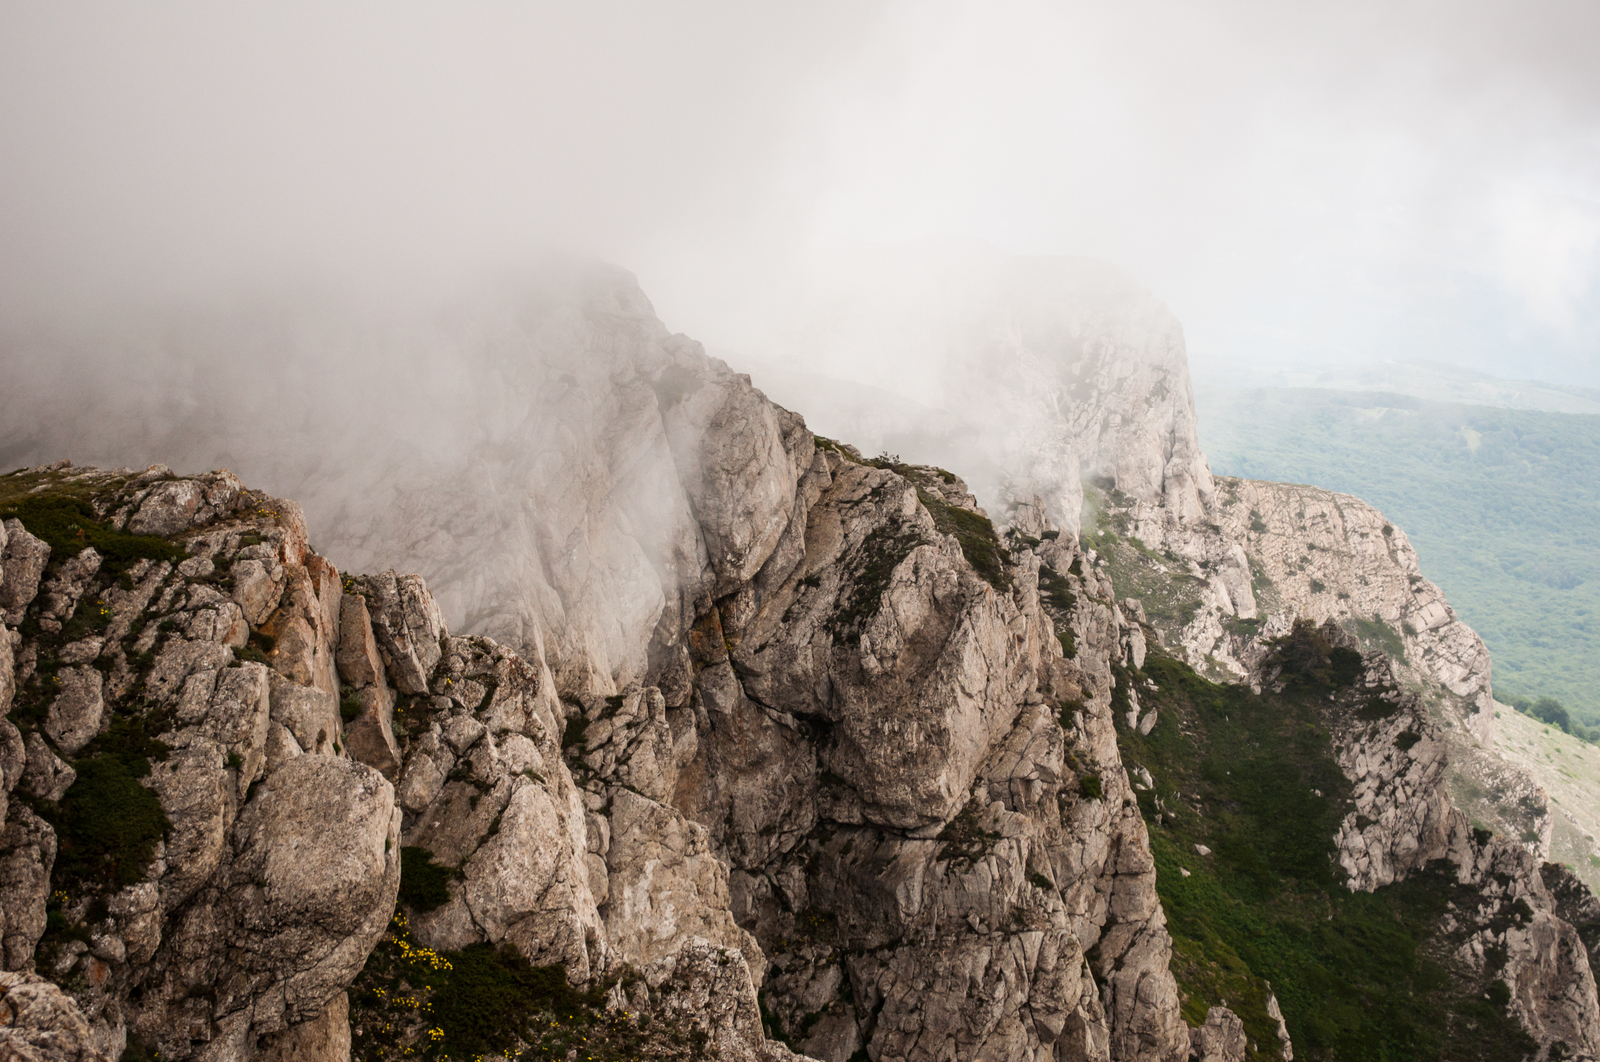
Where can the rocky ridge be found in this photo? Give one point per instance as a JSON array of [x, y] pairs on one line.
[[728, 819], [784, 742]]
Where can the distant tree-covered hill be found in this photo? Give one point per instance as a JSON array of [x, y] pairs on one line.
[[1503, 506]]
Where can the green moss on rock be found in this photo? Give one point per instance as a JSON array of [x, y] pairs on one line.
[[69, 525], [979, 543], [424, 884]]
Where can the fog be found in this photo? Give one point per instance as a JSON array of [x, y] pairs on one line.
[[1305, 185]]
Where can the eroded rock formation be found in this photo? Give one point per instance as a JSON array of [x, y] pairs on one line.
[[771, 747]]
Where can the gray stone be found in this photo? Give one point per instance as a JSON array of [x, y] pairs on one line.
[[370, 735], [325, 1038], [59, 595], [254, 590], [310, 714], [406, 625], [76, 709], [168, 508], [41, 1023], [358, 659], [46, 776], [1221, 1038], [24, 559], [27, 854]]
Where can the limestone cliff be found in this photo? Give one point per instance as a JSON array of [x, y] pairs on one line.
[[739, 816], [188, 848], [848, 764], [697, 735]]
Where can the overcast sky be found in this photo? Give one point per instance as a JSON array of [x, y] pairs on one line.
[[1303, 184]]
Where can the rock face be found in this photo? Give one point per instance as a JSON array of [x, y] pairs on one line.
[[1034, 373], [211, 880], [749, 735], [741, 815], [931, 894], [1322, 555]]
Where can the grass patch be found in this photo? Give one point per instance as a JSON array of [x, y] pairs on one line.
[[979, 544], [1376, 634], [424, 884], [1358, 975], [69, 525], [108, 825]]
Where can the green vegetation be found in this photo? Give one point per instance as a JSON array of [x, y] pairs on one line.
[[257, 648], [1376, 634], [68, 524], [485, 1001], [108, 825], [349, 704], [1358, 975], [424, 884], [1501, 505], [1055, 592], [979, 544], [872, 564], [1171, 597]]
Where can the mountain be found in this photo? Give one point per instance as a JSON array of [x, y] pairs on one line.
[[1500, 503], [700, 735]]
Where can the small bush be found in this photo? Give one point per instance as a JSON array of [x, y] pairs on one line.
[[69, 526], [1309, 657], [492, 992], [979, 544], [1055, 591], [575, 736], [108, 825], [424, 884], [1089, 787]]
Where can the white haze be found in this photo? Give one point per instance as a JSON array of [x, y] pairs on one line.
[[1305, 185]]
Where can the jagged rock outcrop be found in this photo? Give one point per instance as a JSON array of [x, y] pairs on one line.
[[1322, 555], [738, 730], [932, 893], [41, 1023], [596, 833], [207, 880]]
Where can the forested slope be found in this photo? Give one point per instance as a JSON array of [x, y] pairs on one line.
[[1502, 505]]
